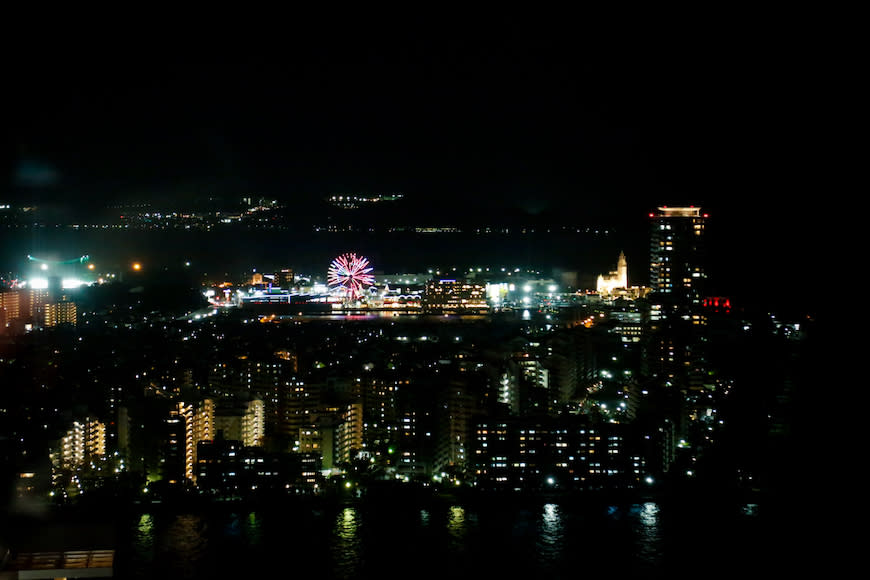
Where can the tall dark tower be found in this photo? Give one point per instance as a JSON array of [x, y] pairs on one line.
[[677, 255], [673, 354]]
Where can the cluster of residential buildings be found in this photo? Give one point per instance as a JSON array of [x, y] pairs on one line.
[[22, 309]]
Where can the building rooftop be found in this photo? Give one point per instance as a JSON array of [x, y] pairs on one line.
[[691, 211]]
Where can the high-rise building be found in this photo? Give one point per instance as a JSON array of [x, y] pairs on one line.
[[673, 354], [677, 254], [10, 308], [203, 426], [29, 305], [187, 425], [349, 433], [84, 441], [242, 421], [253, 423], [295, 403], [61, 312], [179, 453], [454, 427]]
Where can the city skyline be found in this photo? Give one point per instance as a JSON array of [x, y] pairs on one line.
[[745, 260], [524, 120], [627, 391]]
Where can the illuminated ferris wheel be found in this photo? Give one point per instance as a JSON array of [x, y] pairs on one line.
[[349, 275]]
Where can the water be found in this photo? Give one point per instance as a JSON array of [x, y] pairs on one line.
[[243, 250], [449, 540]]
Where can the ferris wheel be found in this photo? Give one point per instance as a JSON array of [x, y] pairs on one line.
[[349, 275]]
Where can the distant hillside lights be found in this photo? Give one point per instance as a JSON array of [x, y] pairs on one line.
[[351, 201]]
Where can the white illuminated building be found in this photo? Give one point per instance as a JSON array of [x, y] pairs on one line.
[[614, 280], [84, 440], [253, 423]]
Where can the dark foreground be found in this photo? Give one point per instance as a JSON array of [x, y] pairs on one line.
[[436, 536]]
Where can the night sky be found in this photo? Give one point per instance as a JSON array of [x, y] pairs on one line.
[[542, 115]]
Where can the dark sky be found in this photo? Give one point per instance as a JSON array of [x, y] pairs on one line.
[[604, 120], [525, 115]]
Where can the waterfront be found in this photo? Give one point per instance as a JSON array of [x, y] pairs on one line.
[[446, 538], [568, 257], [234, 252]]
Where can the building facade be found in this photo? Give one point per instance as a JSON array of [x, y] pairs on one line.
[[615, 279], [454, 296], [677, 254], [557, 454]]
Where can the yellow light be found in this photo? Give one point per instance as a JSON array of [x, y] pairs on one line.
[[137, 266], [91, 266]]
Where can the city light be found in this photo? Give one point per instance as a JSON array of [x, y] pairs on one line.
[[349, 275], [497, 374]]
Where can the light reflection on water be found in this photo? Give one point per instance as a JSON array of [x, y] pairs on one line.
[[145, 533], [184, 545], [346, 547], [253, 528], [648, 533], [142, 548], [456, 523], [360, 541], [551, 533]]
